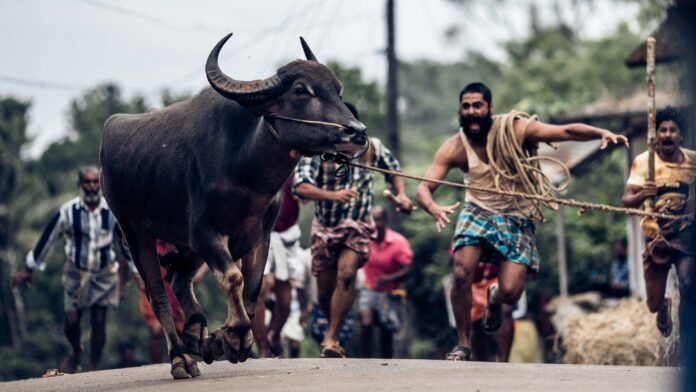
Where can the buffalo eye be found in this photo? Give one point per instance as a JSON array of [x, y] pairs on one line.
[[301, 91]]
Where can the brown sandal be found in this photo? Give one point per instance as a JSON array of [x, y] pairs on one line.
[[333, 351], [459, 353]]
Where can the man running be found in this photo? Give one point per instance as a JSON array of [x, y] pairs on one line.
[[668, 242], [491, 228], [342, 228]]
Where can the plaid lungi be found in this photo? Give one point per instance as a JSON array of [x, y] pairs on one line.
[[502, 237], [328, 241]]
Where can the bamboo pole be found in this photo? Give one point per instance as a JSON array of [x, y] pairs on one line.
[[652, 135]]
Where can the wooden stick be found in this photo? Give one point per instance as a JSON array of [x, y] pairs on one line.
[[652, 135]]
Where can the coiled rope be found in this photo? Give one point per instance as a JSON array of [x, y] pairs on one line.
[[518, 169]]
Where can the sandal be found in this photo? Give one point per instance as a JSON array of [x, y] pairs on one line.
[[333, 351], [492, 318], [459, 353], [665, 325]]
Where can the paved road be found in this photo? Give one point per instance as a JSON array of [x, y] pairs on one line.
[[363, 375]]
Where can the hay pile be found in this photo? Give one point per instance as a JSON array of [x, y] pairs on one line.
[[622, 335]]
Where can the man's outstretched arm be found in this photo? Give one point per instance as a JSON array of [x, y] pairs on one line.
[[541, 132]]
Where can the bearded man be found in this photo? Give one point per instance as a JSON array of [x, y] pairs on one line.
[[491, 228], [90, 274], [668, 242]]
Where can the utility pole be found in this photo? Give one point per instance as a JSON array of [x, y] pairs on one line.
[[392, 85], [562, 252]]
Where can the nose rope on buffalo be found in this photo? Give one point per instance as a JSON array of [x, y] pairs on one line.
[[324, 156]]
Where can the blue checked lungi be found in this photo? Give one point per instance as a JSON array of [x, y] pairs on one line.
[[502, 237]]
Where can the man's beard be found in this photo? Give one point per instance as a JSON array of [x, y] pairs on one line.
[[90, 196], [484, 123]]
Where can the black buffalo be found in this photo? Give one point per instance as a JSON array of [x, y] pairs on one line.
[[204, 175]]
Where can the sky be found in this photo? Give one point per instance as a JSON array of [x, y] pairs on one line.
[[53, 50]]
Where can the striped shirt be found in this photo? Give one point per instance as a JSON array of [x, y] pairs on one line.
[[323, 175], [89, 237]]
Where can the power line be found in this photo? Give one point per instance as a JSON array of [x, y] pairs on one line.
[[40, 83], [196, 28]]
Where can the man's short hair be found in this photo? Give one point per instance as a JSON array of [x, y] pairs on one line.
[[353, 110], [384, 209], [671, 114], [477, 87], [81, 173]]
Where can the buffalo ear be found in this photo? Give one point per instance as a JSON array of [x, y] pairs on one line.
[[307, 51]]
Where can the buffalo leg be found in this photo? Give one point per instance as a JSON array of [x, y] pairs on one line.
[[252, 269], [234, 339], [196, 325], [145, 258]]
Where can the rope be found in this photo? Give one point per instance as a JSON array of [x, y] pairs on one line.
[[581, 205], [313, 122], [516, 168], [295, 151]]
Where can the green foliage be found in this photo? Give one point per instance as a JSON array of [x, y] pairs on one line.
[[58, 165], [552, 72], [588, 237], [430, 93], [19, 191]]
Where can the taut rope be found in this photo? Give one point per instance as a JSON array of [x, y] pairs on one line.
[[581, 205]]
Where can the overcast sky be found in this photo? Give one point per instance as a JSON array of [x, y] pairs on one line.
[[52, 50]]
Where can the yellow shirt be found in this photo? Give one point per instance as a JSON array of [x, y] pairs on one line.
[[673, 179]]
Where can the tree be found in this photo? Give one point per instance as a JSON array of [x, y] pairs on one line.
[[58, 165], [18, 190]]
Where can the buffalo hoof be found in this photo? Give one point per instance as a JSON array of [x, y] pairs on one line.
[[228, 343], [184, 366], [195, 334]]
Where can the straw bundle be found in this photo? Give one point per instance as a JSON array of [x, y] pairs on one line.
[[623, 335]]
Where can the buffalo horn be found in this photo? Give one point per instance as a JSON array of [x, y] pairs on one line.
[[251, 92], [307, 51]]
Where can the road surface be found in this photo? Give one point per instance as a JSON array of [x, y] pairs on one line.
[[363, 375]]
